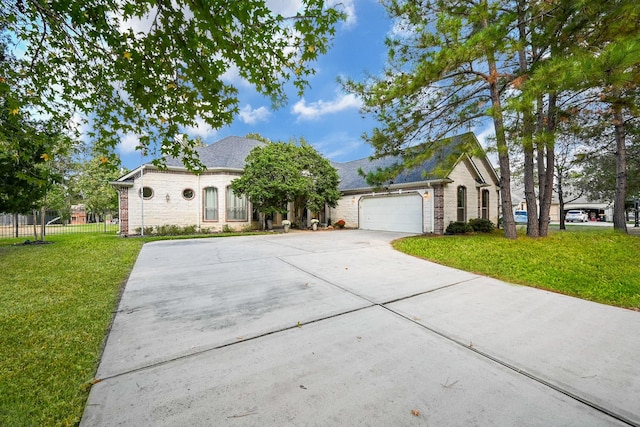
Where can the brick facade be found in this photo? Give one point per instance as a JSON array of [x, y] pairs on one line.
[[124, 211], [438, 209]]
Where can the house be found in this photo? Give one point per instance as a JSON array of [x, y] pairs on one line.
[[456, 184], [597, 210]]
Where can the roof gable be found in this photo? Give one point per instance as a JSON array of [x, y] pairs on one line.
[[228, 153], [435, 162]]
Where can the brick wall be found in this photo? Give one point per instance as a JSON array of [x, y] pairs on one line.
[[124, 211], [168, 206]]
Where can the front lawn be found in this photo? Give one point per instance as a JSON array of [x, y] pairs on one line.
[[58, 300], [591, 263], [57, 303]]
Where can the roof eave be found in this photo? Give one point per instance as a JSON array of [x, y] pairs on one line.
[[408, 185]]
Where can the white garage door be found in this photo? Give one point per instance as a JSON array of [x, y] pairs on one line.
[[392, 213]]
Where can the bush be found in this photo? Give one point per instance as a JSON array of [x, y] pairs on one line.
[[481, 225], [227, 229], [340, 223], [147, 231], [458, 227], [190, 229], [168, 230]]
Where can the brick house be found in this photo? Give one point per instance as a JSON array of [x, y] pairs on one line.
[[456, 183]]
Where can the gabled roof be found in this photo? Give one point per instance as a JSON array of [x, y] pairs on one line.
[[444, 156], [228, 153]]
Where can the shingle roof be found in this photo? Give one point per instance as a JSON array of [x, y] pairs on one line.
[[231, 152], [228, 153], [442, 160]]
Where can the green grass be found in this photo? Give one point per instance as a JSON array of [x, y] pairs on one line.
[[595, 264], [57, 303], [58, 300]]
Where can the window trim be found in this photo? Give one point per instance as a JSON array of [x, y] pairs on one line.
[[193, 194], [204, 205], [141, 192], [461, 208], [246, 206], [484, 207]]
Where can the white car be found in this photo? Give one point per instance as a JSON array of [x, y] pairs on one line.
[[576, 216]]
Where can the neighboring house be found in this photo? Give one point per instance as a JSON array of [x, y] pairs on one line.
[[451, 186], [597, 210]]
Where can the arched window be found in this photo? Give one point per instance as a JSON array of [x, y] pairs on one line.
[[210, 204], [236, 206], [462, 204], [485, 204]]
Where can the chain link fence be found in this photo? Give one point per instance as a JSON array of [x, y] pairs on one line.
[[46, 223]]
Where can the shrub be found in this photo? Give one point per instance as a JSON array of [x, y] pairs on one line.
[[189, 229], [340, 223], [147, 231], [481, 225], [227, 229], [168, 230], [248, 228], [458, 227]]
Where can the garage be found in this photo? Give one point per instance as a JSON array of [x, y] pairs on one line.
[[398, 212]]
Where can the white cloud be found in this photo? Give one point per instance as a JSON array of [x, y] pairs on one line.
[[284, 8], [348, 7], [485, 135], [128, 143], [291, 7], [342, 146], [320, 108], [201, 129], [252, 116]]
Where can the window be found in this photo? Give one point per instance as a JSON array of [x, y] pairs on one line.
[[146, 193], [210, 204], [188, 193], [462, 204], [485, 204], [236, 207]]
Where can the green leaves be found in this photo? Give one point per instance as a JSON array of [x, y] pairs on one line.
[[279, 172], [152, 68]]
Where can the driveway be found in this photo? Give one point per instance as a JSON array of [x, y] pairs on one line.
[[338, 329]]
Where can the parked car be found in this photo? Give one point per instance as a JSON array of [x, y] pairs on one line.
[[520, 217], [576, 216]]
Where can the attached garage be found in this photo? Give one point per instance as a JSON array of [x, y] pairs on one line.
[[398, 212]]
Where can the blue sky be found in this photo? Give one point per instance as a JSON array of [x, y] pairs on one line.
[[325, 116]]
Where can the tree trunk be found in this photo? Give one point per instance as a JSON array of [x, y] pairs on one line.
[[527, 131], [561, 202], [546, 187], [619, 222], [503, 151]]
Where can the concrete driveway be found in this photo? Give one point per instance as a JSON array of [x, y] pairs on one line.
[[338, 329]]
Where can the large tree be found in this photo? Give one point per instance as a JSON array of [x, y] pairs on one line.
[[151, 67], [282, 172], [91, 185], [600, 58], [447, 71], [26, 150]]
